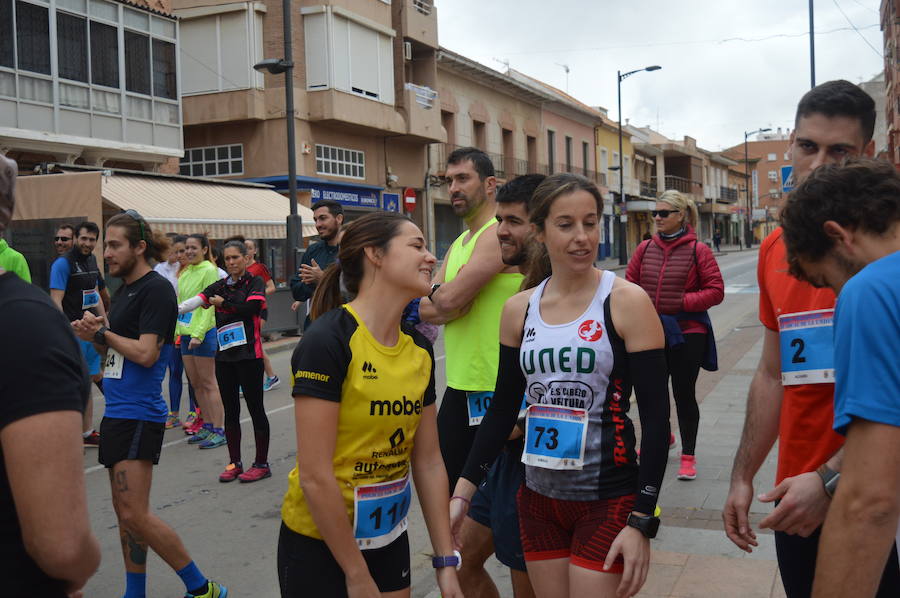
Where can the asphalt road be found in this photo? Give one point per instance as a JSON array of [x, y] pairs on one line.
[[231, 529]]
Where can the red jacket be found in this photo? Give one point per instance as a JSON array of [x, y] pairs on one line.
[[679, 275]]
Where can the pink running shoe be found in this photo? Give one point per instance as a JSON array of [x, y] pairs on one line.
[[255, 473], [231, 473], [193, 428], [688, 469]]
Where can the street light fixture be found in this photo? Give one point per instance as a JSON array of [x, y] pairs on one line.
[[748, 231], [277, 66], [623, 211]]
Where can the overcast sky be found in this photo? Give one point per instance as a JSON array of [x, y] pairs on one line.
[[713, 85]]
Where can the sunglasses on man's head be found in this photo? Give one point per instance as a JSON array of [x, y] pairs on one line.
[[62, 238], [663, 213], [137, 218]]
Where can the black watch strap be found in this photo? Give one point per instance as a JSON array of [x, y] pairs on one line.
[[647, 525], [434, 289], [100, 335]]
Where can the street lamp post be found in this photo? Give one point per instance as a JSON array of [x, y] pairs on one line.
[[748, 232], [277, 66], [623, 211]]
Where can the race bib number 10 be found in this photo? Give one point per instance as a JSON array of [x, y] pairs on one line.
[[807, 347], [555, 437], [379, 513]]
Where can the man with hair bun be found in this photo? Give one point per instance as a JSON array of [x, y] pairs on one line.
[[136, 346]]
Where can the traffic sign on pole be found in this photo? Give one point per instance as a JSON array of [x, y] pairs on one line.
[[787, 179]]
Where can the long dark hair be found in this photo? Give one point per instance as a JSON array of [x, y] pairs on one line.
[[554, 186], [372, 230], [137, 230]]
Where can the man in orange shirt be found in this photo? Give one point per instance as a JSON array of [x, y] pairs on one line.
[[792, 392]]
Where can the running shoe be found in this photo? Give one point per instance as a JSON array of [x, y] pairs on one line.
[[671, 441], [231, 473], [214, 440], [195, 427], [201, 435], [172, 421], [688, 469], [256, 473], [92, 440], [270, 383], [191, 418], [213, 590]]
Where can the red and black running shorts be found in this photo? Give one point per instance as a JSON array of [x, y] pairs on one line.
[[582, 531]]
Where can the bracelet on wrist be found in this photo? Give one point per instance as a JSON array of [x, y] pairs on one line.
[[462, 498]]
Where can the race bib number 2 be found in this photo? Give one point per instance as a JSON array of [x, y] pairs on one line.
[[807, 347], [555, 437], [379, 514]]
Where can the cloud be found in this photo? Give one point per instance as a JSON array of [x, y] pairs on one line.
[[708, 88]]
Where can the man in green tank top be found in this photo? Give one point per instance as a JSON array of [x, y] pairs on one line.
[[468, 296]]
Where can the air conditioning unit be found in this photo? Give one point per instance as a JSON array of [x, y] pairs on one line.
[[407, 50]]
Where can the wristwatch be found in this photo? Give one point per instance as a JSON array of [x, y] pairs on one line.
[[439, 562], [99, 337], [646, 524], [434, 289], [830, 479]]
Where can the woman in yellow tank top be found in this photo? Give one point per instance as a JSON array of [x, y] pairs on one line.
[[366, 426]]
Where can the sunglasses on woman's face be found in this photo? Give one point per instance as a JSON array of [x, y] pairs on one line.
[[662, 213]]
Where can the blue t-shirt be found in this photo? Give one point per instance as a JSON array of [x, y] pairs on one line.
[[59, 274], [867, 346], [146, 306]]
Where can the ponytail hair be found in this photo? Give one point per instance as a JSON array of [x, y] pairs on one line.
[[137, 230], [344, 277], [683, 204]]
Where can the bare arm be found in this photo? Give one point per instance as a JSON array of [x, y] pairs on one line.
[[43, 456], [862, 520], [57, 296], [317, 424], [270, 286], [759, 434], [431, 486], [453, 296], [143, 351]]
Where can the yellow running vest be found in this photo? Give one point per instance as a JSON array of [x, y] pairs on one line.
[[472, 342]]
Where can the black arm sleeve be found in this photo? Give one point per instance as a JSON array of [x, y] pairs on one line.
[[648, 375], [245, 309], [500, 418]]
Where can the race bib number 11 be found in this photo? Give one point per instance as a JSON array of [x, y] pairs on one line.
[[379, 513], [807, 347]]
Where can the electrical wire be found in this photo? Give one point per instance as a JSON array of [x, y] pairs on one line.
[[877, 52]]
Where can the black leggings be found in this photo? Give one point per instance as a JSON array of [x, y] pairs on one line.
[[797, 563], [454, 433], [684, 365], [246, 375]]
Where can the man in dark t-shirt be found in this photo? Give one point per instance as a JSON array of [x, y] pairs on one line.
[[43, 390], [137, 346]]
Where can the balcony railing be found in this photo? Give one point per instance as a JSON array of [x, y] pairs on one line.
[[507, 167], [424, 6], [676, 182], [728, 194], [648, 188]]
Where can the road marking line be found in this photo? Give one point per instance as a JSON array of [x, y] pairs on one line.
[[94, 468]]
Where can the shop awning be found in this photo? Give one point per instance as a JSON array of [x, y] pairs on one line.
[[219, 209]]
